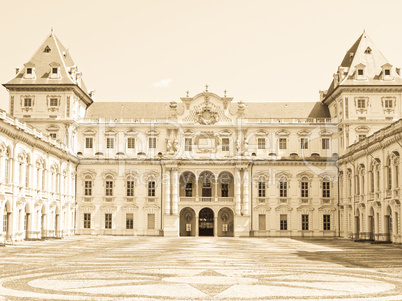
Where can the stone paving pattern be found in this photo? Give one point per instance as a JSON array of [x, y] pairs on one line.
[[201, 268]]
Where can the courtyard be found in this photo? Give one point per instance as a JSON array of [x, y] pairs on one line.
[[201, 268]]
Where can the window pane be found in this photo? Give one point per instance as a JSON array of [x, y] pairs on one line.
[[151, 221], [304, 222], [88, 142], [283, 221], [131, 143], [261, 143], [188, 145], [282, 143], [152, 142], [109, 142], [129, 221], [225, 144]]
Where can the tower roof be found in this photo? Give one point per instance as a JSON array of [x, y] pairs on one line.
[[364, 55], [51, 53]]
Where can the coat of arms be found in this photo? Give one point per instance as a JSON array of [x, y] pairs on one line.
[[207, 116]]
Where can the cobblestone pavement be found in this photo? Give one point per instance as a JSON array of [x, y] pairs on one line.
[[202, 268]]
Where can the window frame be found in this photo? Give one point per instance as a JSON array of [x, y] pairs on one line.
[[282, 143], [129, 221], [87, 220], [326, 222], [283, 222], [225, 144], [261, 143], [110, 142], [108, 220], [87, 139], [305, 222]]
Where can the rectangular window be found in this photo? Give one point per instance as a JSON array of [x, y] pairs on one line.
[[304, 222], [361, 103], [108, 221], [225, 190], [304, 189], [130, 188], [261, 189], [189, 190], [87, 220], [54, 70], [262, 225], [388, 103], [261, 143], [151, 188], [27, 102], [326, 190], [151, 221], [283, 189], [225, 144], [188, 144], [130, 143], [129, 221], [283, 221], [362, 137], [5, 222], [326, 218], [359, 71], [53, 135], [110, 143], [88, 188], [304, 143], [109, 188], [89, 142], [29, 70], [387, 72], [282, 143], [152, 142], [53, 102], [325, 143]]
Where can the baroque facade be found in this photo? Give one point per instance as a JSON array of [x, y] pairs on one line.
[[203, 165]]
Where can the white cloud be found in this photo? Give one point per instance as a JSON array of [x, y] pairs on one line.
[[163, 83]]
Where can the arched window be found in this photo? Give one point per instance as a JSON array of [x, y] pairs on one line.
[[7, 167], [389, 174]]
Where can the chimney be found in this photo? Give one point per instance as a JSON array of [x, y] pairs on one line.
[[92, 94], [322, 95], [398, 71]]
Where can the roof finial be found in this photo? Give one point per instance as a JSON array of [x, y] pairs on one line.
[[225, 92], [51, 30], [206, 88], [187, 92]]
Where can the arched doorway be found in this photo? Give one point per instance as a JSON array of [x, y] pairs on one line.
[[225, 222], [371, 224], [206, 222], [187, 222], [388, 224]]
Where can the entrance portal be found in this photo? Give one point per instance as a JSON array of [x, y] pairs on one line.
[[206, 222]]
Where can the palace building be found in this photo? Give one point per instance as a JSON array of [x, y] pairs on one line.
[[204, 165]]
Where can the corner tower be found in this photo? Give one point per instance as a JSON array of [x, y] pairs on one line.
[[365, 93], [48, 92]]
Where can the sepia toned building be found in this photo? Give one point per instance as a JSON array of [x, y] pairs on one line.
[[203, 165]]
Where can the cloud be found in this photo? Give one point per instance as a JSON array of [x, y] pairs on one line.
[[163, 83]]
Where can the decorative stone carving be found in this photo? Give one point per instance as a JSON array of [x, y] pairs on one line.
[[206, 115]]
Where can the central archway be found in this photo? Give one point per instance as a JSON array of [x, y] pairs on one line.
[[206, 222]]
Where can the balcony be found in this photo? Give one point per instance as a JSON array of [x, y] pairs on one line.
[[207, 199], [225, 200], [87, 199], [108, 199], [187, 199]]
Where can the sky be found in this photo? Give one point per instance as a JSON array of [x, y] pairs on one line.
[[156, 50]]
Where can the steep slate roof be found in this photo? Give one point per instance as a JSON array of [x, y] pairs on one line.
[[41, 60], [138, 110], [373, 61]]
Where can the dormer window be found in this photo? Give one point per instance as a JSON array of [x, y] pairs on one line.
[[47, 49], [360, 72], [54, 70], [368, 50], [387, 72], [29, 70]]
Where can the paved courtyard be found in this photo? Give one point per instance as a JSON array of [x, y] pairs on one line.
[[202, 268]]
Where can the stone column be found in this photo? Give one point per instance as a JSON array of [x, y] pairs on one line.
[[197, 224], [196, 191], [237, 191], [216, 225], [167, 192], [175, 192], [245, 192], [39, 182], [216, 187]]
